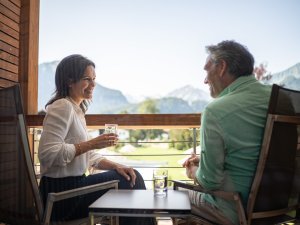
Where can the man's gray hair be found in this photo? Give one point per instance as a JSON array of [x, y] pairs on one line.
[[239, 60]]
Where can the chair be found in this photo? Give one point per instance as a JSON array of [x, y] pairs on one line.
[[20, 201], [274, 194]]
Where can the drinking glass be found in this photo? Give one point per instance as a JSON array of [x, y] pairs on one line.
[[160, 182], [111, 128]]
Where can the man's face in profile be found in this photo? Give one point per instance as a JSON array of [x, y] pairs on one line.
[[212, 78]]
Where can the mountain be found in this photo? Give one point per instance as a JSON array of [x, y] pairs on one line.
[[46, 84], [189, 94], [173, 105], [186, 99], [195, 97], [105, 100], [289, 78]]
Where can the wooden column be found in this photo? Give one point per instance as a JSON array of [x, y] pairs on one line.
[[28, 65]]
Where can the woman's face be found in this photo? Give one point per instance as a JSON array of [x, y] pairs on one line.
[[83, 89]]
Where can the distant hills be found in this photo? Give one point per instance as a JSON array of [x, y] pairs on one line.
[[186, 99], [106, 100]]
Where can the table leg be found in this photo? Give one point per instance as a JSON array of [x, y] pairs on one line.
[[117, 220], [114, 220], [91, 215]]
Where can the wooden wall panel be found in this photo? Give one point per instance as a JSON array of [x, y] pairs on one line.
[[9, 42], [9, 57], [13, 5], [11, 14], [8, 75], [19, 27], [9, 66], [10, 21], [9, 49], [9, 31], [6, 83]]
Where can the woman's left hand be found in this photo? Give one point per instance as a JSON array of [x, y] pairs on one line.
[[128, 173]]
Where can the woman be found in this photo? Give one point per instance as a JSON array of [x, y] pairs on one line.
[[65, 153]]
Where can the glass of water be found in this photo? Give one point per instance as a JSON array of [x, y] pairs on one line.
[[160, 182], [111, 128]]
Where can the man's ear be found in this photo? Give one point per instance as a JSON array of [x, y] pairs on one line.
[[222, 67]]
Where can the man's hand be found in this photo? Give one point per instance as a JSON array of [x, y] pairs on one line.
[[191, 172], [128, 173], [193, 160], [191, 165]]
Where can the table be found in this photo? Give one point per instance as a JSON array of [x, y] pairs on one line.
[[140, 203]]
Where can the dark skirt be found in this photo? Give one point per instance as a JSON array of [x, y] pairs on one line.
[[77, 207]]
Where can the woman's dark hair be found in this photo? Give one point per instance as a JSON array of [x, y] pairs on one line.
[[239, 60], [70, 70]]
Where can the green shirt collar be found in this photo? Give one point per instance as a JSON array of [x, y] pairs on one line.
[[237, 83]]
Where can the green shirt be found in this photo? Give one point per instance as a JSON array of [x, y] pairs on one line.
[[232, 128]]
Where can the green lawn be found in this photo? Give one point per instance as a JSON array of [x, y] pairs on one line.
[[163, 155]]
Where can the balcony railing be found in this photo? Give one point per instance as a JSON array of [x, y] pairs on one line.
[[154, 156]]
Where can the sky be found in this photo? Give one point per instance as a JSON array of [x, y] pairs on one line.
[[147, 48]]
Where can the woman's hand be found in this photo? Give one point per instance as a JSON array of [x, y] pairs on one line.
[[128, 173], [104, 140], [125, 171]]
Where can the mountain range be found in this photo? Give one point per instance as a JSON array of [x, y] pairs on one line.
[[104, 98], [289, 78], [186, 99]]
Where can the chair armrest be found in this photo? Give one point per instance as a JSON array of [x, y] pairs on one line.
[[187, 185], [226, 195], [54, 197], [231, 196]]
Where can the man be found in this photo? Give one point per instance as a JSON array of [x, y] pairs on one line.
[[232, 128]]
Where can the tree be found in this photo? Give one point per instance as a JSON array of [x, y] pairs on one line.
[[148, 107], [182, 139], [260, 71]]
